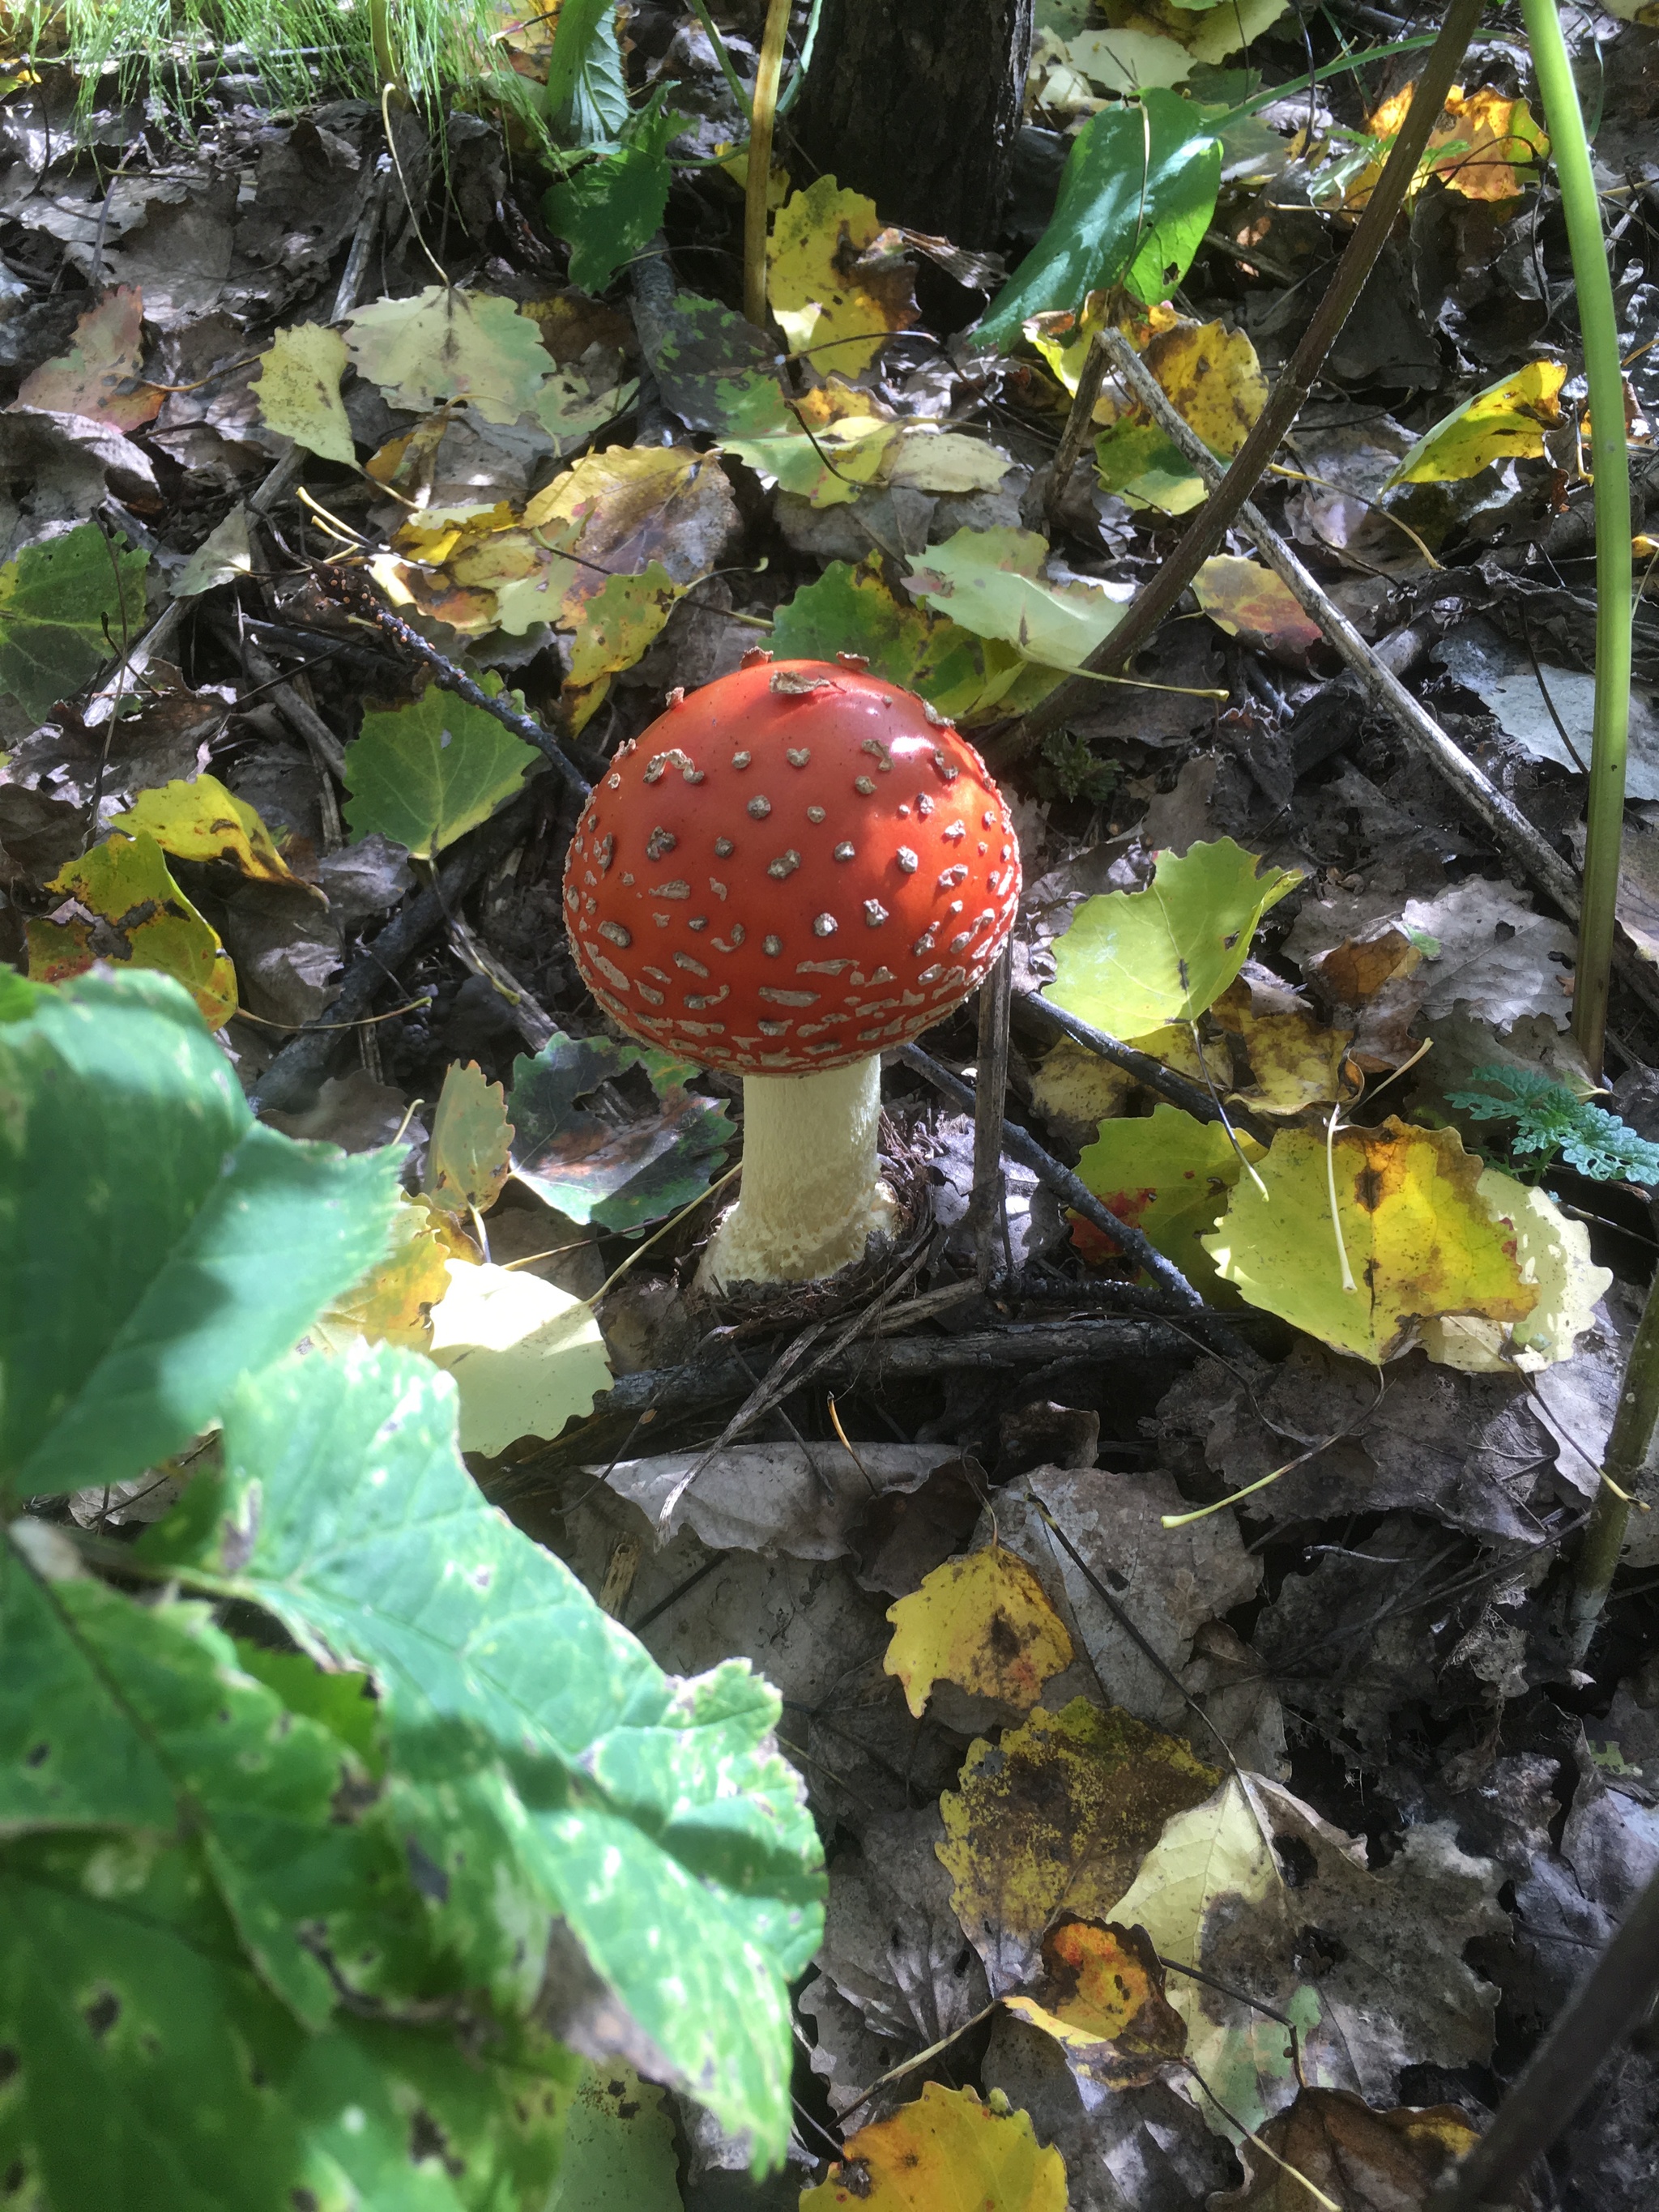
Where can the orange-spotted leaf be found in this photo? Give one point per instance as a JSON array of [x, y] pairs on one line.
[[1245, 599], [946, 2152], [1101, 1997], [1479, 147], [1167, 1175], [982, 1622]]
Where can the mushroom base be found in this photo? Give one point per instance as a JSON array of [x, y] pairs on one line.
[[813, 1195]]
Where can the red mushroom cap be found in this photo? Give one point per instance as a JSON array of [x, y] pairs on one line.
[[796, 867]]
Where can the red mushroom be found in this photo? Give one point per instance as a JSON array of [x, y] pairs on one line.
[[797, 868]]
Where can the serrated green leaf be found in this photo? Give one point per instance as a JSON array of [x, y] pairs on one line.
[[608, 211], [1132, 961], [586, 89], [298, 391], [65, 607], [425, 774], [1136, 197], [466, 1157], [161, 1245], [1168, 1175], [588, 1168], [154, 2070], [991, 582], [548, 1769]]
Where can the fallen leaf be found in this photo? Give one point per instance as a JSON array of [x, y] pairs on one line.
[[1335, 1949], [1167, 1175], [1244, 598], [1055, 1819], [947, 2149], [526, 1357], [393, 1303], [99, 376], [224, 555], [803, 1500], [67, 605], [1479, 143], [1132, 961], [1101, 1997], [1419, 1243], [588, 1167], [1554, 1253], [446, 343], [424, 774], [618, 624], [716, 371], [467, 1156], [945, 461], [298, 389], [1295, 1060], [992, 582], [622, 509], [200, 820], [1144, 466], [1364, 2159], [830, 310], [134, 912], [982, 1622], [1505, 422], [835, 440]]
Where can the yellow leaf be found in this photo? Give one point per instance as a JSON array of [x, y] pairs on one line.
[[1214, 379], [833, 311], [1479, 142], [946, 2150], [1057, 1818], [298, 389], [1554, 1253], [1295, 1060], [1240, 596], [1168, 1174], [134, 912], [468, 1157], [446, 343], [1419, 1241], [1101, 1997], [982, 1622], [393, 1303], [1505, 423], [526, 1357], [202, 821]]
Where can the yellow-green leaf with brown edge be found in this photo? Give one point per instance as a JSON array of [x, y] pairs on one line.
[[983, 1622], [134, 913]]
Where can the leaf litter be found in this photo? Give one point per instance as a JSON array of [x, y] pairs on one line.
[[1057, 1748]]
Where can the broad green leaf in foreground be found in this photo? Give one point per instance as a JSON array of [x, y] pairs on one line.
[[618, 2154], [156, 2070], [527, 1357], [1132, 961], [1167, 1175], [134, 1297], [589, 1168], [549, 1769], [65, 606], [1136, 197], [425, 774], [140, 917], [1420, 1245], [991, 582]]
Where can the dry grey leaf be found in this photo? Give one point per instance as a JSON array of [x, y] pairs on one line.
[[798, 1500]]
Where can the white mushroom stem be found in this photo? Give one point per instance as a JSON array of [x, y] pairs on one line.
[[811, 1195]]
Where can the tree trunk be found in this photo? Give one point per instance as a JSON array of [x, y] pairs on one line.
[[916, 103]]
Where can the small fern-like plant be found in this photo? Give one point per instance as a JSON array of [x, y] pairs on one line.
[[1551, 1124]]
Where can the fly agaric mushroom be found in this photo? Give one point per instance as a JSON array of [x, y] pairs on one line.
[[794, 869]]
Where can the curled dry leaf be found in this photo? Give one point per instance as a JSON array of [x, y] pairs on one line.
[[982, 1622], [1101, 1997], [1364, 2159]]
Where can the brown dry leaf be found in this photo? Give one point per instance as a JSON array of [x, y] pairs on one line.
[[1101, 1997], [98, 377], [1364, 2159], [833, 307], [1056, 1817], [982, 1622], [1247, 599], [946, 2150]]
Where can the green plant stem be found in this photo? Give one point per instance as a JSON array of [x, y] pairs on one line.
[[1610, 466], [739, 91], [385, 58], [767, 74], [1633, 1427]]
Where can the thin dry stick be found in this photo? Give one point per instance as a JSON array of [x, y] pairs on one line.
[[1511, 831], [768, 75], [1079, 423], [1158, 597]]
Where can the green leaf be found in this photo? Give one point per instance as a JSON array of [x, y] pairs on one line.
[[65, 607], [425, 774], [466, 1158], [715, 369], [991, 582], [154, 2070], [152, 1725], [298, 391], [586, 88], [1132, 961], [1148, 468], [608, 211], [1136, 198], [162, 1244], [619, 2152], [588, 1167], [547, 1769], [445, 344], [1168, 1175], [1506, 421]]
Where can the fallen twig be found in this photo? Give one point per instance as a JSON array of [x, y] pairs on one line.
[[1189, 1096]]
